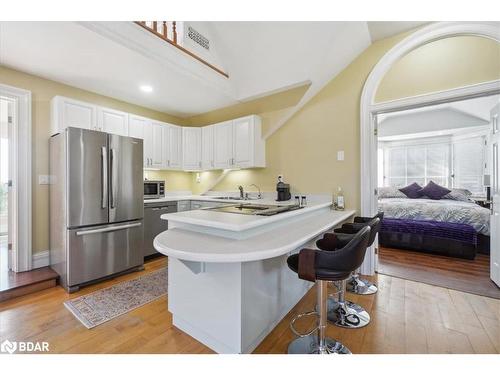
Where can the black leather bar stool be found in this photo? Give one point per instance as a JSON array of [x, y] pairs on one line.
[[321, 267], [356, 284], [342, 312]]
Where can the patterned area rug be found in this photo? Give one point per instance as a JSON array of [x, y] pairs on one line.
[[105, 304]]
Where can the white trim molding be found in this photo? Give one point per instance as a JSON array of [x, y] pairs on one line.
[[369, 110], [21, 178], [40, 259]]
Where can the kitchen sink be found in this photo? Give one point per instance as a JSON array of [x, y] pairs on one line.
[[236, 198], [254, 209]]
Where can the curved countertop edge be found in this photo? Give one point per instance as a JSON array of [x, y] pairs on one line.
[[184, 217], [246, 256]]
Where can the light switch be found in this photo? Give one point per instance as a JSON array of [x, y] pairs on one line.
[[43, 179], [340, 155]]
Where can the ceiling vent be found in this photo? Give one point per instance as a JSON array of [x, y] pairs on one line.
[[198, 38]]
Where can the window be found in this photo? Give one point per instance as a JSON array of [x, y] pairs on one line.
[[420, 163], [468, 164], [448, 161]]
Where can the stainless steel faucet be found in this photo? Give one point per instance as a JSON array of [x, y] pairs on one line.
[[242, 193], [258, 188]]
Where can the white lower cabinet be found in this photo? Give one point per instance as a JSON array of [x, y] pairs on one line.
[[191, 148]]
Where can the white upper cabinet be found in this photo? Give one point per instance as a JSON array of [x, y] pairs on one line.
[[231, 144], [172, 138], [175, 147], [239, 144], [223, 145], [191, 148], [137, 129], [68, 112], [207, 147], [136, 126], [112, 121], [154, 143]]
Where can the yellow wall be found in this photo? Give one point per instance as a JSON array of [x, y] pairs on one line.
[[441, 65], [43, 91], [305, 148]]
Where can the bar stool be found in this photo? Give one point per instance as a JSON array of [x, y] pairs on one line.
[[321, 267], [342, 312], [356, 284]]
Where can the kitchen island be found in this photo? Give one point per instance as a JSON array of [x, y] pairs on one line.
[[228, 281]]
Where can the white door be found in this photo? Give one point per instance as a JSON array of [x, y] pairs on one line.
[[207, 147], [243, 142], [175, 148], [495, 194], [223, 145], [111, 121], [191, 148], [156, 144]]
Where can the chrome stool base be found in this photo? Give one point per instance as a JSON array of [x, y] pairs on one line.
[[351, 315], [361, 286], [309, 345]]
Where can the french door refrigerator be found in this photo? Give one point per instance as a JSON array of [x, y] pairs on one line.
[[96, 205]]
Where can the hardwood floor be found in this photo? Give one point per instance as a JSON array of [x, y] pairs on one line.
[[407, 317], [14, 284], [472, 276]]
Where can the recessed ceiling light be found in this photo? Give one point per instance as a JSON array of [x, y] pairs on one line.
[[146, 88]]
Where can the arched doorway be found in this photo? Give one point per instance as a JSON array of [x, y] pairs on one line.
[[369, 109]]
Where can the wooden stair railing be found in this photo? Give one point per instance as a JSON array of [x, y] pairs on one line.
[[152, 27]]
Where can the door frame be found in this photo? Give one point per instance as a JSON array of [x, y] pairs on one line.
[[21, 178], [369, 109]]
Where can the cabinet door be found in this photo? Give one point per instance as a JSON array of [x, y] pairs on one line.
[[111, 121], [175, 147], [137, 129], [157, 144], [243, 142], [191, 148], [207, 147], [69, 112], [223, 145]]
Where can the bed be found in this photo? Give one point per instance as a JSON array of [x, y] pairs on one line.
[[458, 228]]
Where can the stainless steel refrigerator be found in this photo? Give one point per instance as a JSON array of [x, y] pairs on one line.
[[96, 205]]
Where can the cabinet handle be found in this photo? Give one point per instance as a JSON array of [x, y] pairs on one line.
[[199, 164]]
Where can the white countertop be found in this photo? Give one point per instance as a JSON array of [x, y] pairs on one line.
[[237, 222], [209, 198], [195, 246]]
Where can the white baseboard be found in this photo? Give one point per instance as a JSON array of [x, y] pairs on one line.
[[40, 259]]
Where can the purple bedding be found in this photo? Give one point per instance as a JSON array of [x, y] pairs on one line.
[[455, 231]]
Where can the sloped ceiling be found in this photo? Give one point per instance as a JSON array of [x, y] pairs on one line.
[[115, 58]]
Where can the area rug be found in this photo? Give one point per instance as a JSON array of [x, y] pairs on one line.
[[103, 305]]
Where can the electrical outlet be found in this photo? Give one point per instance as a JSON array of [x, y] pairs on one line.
[[340, 155], [43, 179]]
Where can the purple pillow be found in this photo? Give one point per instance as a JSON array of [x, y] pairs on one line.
[[434, 191], [412, 191]]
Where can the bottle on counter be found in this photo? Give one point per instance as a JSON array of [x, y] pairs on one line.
[[340, 199]]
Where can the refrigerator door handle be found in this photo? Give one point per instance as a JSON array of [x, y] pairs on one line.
[[107, 229], [104, 177], [112, 179]]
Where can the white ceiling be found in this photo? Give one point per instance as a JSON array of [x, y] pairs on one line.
[[436, 120], [114, 58], [384, 29]]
